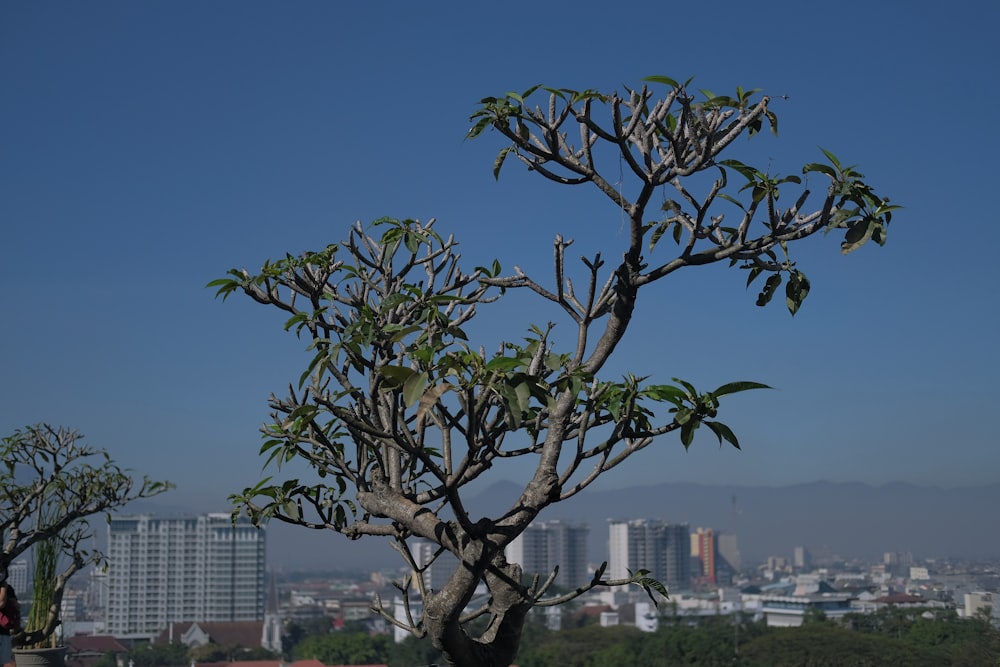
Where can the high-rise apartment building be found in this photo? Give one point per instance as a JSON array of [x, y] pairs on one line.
[[662, 548], [164, 570], [704, 549], [436, 571], [17, 576], [543, 546]]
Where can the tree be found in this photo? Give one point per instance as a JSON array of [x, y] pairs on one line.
[[397, 412], [51, 485], [171, 654], [344, 648]]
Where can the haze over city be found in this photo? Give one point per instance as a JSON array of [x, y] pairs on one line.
[[147, 148]]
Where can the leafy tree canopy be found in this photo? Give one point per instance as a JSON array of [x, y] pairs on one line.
[[397, 411], [51, 485]]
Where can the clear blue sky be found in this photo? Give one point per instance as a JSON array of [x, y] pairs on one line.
[[147, 147]]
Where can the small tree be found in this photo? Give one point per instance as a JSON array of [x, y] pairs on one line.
[[397, 412], [51, 485]]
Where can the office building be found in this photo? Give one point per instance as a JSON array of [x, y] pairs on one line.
[[544, 546], [166, 570], [661, 548]]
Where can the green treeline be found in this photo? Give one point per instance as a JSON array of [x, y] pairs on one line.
[[891, 636], [911, 637]]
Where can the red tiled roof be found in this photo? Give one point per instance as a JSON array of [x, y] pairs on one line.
[[85, 650], [272, 663], [95, 643]]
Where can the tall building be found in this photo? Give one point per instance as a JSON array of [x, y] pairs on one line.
[[729, 551], [17, 576], [436, 571], [167, 570], [704, 549], [544, 546], [662, 548]]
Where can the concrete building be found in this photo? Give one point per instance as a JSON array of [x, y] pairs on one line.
[[662, 548], [436, 570], [546, 545], [979, 602], [192, 569], [729, 551], [17, 576], [704, 549]]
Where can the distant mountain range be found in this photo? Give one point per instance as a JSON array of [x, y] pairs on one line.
[[852, 520]]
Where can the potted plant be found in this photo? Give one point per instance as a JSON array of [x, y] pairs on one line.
[[36, 646], [51, 485]]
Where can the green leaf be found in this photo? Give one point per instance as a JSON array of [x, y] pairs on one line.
[[796, 291], [663, 392], [857, 235], [748, 172], [723, 432], [733, 200], [498, 163], [523, 393], [687, 432], [414, 388], [665, 80], [503, 364], [754, 272], [648, 584], [735, 387], [412, 242], [479, 126], [822, 168], [298, 318], [396, 376], [402, 333], [773, 120], [832, 158], [226, 285], [772, 284]]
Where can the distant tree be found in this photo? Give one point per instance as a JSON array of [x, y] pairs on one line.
[[212, 652], [828, 645], [397, 412], [173, 654], [412, 652], [579, 647], [344, 648], [297, 630], [52, 485], [813, 615]]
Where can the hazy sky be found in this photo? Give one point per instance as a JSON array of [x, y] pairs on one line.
[[148, 147]]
